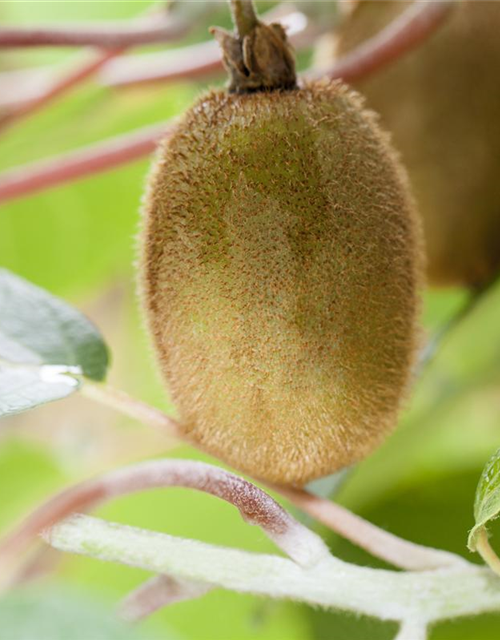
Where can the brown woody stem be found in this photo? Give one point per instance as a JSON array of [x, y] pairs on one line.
[[244, 17], [258, 57]]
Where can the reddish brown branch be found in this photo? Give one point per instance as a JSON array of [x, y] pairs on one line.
[[192, 62], [158, 592], [408, 31], [107, 36], [255, 506], [59, 86], [29, 179], [381, 544]]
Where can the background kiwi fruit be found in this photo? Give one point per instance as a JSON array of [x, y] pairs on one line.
[[279, 271], [442, 104]]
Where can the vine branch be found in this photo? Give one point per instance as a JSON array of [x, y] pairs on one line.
[[404, 34], [105, 35], [382, 544], [30, 179], [59, 86], [389, 595], [255, 506], [156, 593]]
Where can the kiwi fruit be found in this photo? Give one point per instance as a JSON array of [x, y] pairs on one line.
[[279, 272], [441, 102]]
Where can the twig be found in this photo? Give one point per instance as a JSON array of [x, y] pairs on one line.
[[157, 592], [255, 506], [125, 404], [405, 33], [110, 35], [60, 86], [189, 63], [382, 544], [425, 596], [29, 179]]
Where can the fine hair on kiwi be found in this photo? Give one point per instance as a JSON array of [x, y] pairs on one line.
[[279, 271]]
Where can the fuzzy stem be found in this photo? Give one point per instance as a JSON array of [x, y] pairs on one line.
[[244, 16], [390, 595], [256, 506], [485, 550]]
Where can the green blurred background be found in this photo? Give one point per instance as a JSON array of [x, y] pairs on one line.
[[78, 241]]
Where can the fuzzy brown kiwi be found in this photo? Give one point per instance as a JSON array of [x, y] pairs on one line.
[[442, 104], [279, 273]]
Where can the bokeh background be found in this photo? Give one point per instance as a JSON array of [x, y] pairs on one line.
[[78, 241]]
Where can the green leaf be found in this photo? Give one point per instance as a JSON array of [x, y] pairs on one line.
[[22, 389], [487, 502], [42, 340]]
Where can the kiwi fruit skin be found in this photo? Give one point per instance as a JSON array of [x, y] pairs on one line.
[[279, 270], [441, 102]]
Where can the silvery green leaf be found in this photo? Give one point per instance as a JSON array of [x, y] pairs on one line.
[[44, 343]]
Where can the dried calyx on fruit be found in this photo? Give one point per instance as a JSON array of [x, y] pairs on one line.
[[441, 102], [279, 273]]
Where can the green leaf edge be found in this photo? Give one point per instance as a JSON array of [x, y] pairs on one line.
[[101, 374], [487, 499]]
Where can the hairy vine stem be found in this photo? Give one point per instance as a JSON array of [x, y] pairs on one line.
[[415, 599]]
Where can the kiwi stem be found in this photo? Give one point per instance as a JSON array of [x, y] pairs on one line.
[[258, 57], [396, 551], [244, 17], [131, 407]]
